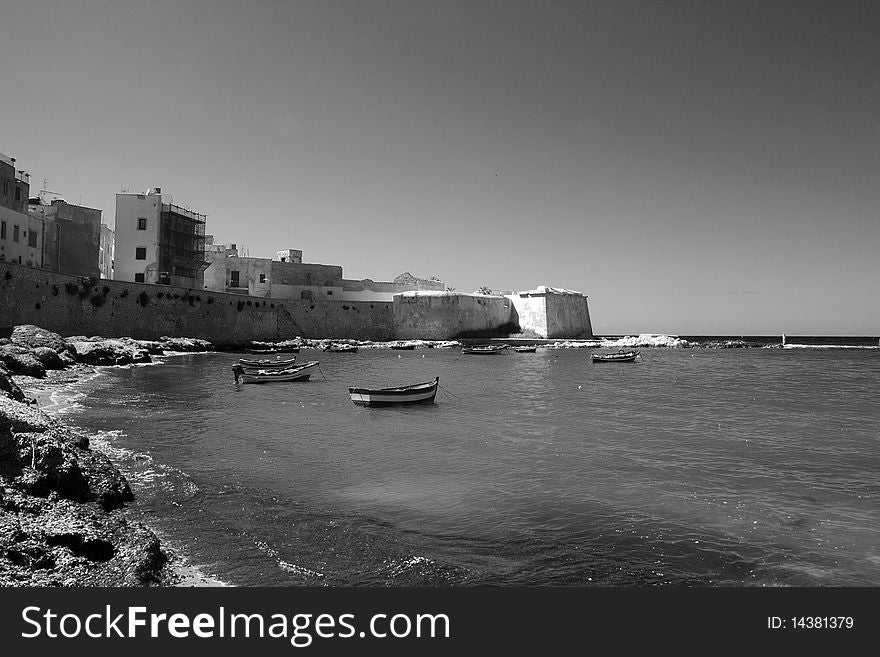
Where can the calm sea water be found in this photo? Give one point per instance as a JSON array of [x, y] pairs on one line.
[[690, 466]]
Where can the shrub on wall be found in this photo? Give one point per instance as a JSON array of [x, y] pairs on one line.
[[143, 299], [72, 288]]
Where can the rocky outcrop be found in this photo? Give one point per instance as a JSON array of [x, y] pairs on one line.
[[185, 344], [62, 519], [21, 360], [8, 386], [30, 336], [107, 351]]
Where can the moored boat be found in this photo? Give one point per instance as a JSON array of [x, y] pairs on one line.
[[487, 349], [418, 393], [295, 373], [403, 345], [526, 349], [267, 363], [620, 357]]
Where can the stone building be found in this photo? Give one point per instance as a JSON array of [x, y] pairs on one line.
[[158, 241], [21, 236], [71, 235]]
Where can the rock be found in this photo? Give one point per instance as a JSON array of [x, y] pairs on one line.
[[59, 522], [108, 352], [31, 336], [185, 344], [49, 358], [9, 387], [20, 360]]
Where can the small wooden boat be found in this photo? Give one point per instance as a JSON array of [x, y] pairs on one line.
[[403, 345], [620, 357], [527, 349], [267, 363], [488, 349], [341, 348], [296, 373], [418, 393], [262, 351]]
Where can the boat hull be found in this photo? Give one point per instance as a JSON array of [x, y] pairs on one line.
[[268, 364], [259, 378], [623, 357], [421, 393], [482, 351], [296, 373]]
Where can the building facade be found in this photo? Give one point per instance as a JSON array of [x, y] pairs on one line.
[[105, 258], [21, 236], [71, 235], [157, 241]]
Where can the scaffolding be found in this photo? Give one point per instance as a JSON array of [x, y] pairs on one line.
[[181, 244]]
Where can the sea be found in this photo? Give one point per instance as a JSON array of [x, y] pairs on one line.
[[691, 466]]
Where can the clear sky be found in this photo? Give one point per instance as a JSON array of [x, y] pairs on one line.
[[700, 167]]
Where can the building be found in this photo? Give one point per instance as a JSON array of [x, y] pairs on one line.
[[552, 312], [289, 255], [105, 258], [157, 241], [71, 234], [286, 276], [21, 236]]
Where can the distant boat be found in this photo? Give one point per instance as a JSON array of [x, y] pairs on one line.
[[263, 351], [403, 345], [342, 348], [418, 393], [620, 357], [267, 363], [488, 349], [527, 349], [296, 373]]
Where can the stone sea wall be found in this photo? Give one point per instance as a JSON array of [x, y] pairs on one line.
[[71, 305]]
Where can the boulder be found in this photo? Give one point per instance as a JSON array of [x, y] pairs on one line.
[[8, 387], [20, 360], [50, 358], [108, 352], [28, 335]]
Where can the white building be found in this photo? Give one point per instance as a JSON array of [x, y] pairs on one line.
[[157, 241]]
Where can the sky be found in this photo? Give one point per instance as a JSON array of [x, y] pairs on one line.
[[696, 168]]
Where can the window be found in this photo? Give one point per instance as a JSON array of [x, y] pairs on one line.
[[6, 187], [142, 223], [2, 230], [17, 193], [138, 278], [329, 293], [32, 239], [262, 278], [140, 253], [233, 278], [306, 294], [15, 233]]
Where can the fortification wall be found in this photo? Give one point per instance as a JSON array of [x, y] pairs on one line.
[[72, 305], [532, 313], [450, 316], [568, 316]]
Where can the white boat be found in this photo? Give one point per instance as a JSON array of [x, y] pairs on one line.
[[296, 373], [267, 364], [418, 393]]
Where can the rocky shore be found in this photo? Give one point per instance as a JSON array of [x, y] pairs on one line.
[[63, 506]]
